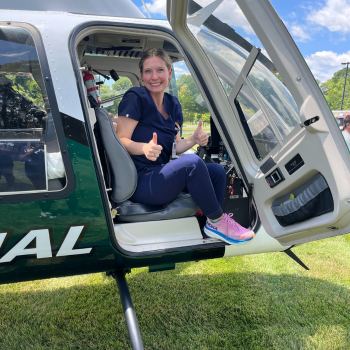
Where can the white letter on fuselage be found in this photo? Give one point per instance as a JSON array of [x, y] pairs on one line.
[[42, 249], [69, 242], [2, 237]]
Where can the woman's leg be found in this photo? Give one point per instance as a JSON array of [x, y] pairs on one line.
[[189, 172], [218, 178], [164, 184]]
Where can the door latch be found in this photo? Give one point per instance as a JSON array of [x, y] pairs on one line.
[[311, 120]]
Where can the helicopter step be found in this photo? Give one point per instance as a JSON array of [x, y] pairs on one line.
[[128, 307]]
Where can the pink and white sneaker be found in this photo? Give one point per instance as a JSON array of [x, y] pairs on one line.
[[228, 230]]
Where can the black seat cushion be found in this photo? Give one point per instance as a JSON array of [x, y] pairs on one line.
[[182, 206]]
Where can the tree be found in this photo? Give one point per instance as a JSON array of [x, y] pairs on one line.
[[122, 85], [187, 104], [190, 99], [27, 86], [190, 108], [118, 88], [186, 79], [333, 90]]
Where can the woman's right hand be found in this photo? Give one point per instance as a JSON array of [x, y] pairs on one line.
[[151, 149]]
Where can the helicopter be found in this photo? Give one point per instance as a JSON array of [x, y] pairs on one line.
[[66, 179]]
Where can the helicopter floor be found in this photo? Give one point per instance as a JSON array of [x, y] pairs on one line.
[[160, 235]]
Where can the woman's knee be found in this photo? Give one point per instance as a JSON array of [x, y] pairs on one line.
[[217, 171], [192, 160]]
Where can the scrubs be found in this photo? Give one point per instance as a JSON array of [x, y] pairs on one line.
[[161, 181]]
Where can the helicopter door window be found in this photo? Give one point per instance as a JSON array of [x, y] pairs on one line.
[[256, 123], [183, 86], [112, 92], [276, 98], [30, 158], [231, 46]]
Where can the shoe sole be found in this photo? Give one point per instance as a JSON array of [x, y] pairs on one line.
[[222, 237]]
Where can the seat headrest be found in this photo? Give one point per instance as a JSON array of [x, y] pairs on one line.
[[124, 179]]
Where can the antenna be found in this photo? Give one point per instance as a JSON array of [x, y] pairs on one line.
[[144, 4]]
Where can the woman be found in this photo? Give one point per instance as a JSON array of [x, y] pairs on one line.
[[346, 130], [148, 126]]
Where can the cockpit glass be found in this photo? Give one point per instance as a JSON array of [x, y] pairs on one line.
[[30, 157], [260, 128], [228, 39], [227, 58], [276, 97]]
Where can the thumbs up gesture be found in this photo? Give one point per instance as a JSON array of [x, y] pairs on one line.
[[199, 136], [151, 149]]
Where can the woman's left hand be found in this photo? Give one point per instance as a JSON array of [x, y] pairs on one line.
[[200, 136]]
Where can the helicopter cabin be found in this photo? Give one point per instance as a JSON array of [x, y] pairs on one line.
[[112, 56]]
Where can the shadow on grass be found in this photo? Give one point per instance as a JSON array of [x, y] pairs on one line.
[[176, 311]]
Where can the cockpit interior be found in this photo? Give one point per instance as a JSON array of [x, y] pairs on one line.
[[112, 56]]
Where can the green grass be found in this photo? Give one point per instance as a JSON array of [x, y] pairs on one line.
[[253, 302], [190, 127]]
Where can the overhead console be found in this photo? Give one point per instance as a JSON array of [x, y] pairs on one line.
[[119, 45], [115, 45]]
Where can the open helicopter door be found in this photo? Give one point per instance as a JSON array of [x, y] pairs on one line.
[[283, 136]]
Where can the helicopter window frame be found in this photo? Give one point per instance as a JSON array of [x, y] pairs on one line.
[[57, 119]]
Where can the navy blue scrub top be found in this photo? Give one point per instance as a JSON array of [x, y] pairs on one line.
[[139, 105]]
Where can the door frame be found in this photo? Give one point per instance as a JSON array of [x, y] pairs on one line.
[[206, 94]]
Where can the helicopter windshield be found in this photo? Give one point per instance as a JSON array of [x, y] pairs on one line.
[[228, 60], [267, 106]]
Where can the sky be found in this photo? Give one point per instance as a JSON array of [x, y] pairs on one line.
[[320, 28]]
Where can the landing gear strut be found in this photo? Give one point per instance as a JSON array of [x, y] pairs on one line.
[[129, 312]]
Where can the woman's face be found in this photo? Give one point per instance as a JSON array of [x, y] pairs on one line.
[[155, 74]]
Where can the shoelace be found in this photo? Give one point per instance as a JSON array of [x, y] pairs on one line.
[[232, 223]]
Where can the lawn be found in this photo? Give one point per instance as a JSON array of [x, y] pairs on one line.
[[193, 127], [252, 302]]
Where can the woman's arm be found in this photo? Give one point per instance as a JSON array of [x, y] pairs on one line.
[[199, 137], [126, 127], [184, 145]]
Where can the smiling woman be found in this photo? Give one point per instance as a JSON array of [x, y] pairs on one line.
[[148, 113]]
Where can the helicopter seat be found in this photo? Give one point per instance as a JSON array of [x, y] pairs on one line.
[[123, 180]]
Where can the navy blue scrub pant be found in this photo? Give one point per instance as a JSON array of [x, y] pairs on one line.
[[205, 183]]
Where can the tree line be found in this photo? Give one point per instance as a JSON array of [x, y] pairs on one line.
[[193, 105], [333, 89]]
